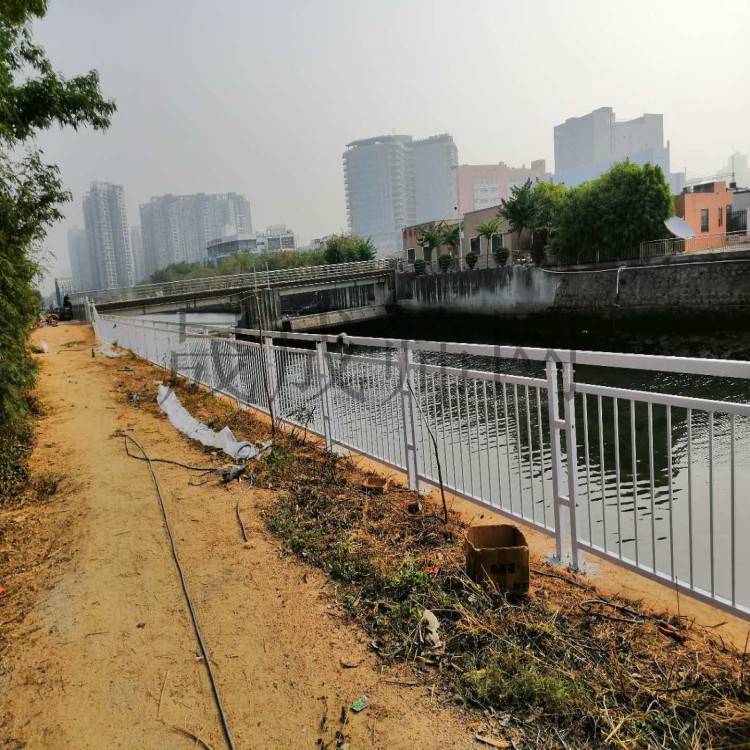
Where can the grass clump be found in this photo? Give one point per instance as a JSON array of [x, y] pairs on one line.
[[551, 661]]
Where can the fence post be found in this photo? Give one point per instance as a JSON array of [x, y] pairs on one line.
[[324, 378], [571, 447], [407, 411], [273, 380], [555, 449]]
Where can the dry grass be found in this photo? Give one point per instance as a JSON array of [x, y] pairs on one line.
[[563, 667]]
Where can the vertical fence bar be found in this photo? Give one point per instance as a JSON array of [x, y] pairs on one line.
[[571, 445], [324, 380], [270, 366], [407, 414], [732, 526], [711, 496], [554, 441]]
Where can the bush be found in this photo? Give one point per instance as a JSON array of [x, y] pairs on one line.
[[419, 266], [471, 259], [500, 254], [444, 261]]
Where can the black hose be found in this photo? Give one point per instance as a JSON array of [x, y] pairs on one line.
[[183, 583], [168, 461]]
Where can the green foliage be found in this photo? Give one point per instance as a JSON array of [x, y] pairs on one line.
[[444, 261], [451, 236], [342, 248], [419, 266], [514, 681], [33, 97], [241, 263], [488, 229], [432, 237], [519, 209], [500, 254], [471, 259], [614, 213]]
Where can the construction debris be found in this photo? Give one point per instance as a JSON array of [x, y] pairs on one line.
[[178, 415]]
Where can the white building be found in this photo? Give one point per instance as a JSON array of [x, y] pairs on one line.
[[106, 224], [587, 146], [393, 181], [177, 228], [276, 239]]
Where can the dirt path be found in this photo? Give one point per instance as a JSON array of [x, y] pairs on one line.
[[106, 658]]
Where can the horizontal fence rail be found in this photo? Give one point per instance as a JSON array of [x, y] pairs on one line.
[[259, 279], [654, 478]]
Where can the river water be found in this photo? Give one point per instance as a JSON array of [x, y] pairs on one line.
[[661, 487]]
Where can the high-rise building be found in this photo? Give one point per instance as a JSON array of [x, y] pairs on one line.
[[393, 181], [178, 228], [107, 233], [484, 185], [81, 267], [587, 146], [432, 164], [136, 247]]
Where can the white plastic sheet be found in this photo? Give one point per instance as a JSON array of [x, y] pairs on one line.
[[107, 350], [187, 424]]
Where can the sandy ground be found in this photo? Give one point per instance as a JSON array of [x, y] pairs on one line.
[[101, 653]]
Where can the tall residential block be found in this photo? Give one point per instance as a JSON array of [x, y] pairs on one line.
[[177, 228], [81, 266], [107, 233], [393, 181], [136, 246], [485, 185], [587, 146]]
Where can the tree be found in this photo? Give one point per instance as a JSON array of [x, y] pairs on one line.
[[452, 236], [33, 97], [613, 214], [342, 248], [548, 201], [444, 261], [431, 238], [518, 210], [488, 230]]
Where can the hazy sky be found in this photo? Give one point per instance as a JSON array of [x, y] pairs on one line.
[[261, 96]]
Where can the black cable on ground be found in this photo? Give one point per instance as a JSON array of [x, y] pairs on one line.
[[183, 582], [205, 469]]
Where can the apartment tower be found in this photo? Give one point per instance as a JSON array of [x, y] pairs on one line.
[[106, 224]]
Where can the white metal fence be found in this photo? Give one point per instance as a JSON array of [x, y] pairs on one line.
[[658, 480], [256, 279]]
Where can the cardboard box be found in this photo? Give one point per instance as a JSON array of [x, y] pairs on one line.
[[498, 552]]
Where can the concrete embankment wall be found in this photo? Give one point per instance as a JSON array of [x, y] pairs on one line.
[[701, 284]]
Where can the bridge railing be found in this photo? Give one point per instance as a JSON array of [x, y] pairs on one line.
[[253, 279], [640, 460]]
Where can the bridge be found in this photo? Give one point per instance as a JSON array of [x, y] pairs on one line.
[[306, 297]]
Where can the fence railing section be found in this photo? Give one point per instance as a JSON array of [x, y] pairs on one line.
[[654, 477], [259, 279]]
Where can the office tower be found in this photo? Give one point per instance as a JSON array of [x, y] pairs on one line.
[[392, 181], [106, 223]]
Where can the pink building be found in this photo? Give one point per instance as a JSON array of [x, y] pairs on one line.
[[484, 185]]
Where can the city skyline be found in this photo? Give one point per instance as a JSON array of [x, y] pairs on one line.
[[177, 131]]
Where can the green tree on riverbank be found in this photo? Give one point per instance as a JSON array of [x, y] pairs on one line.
[[33, 97], [337, 249], [611, 215]]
